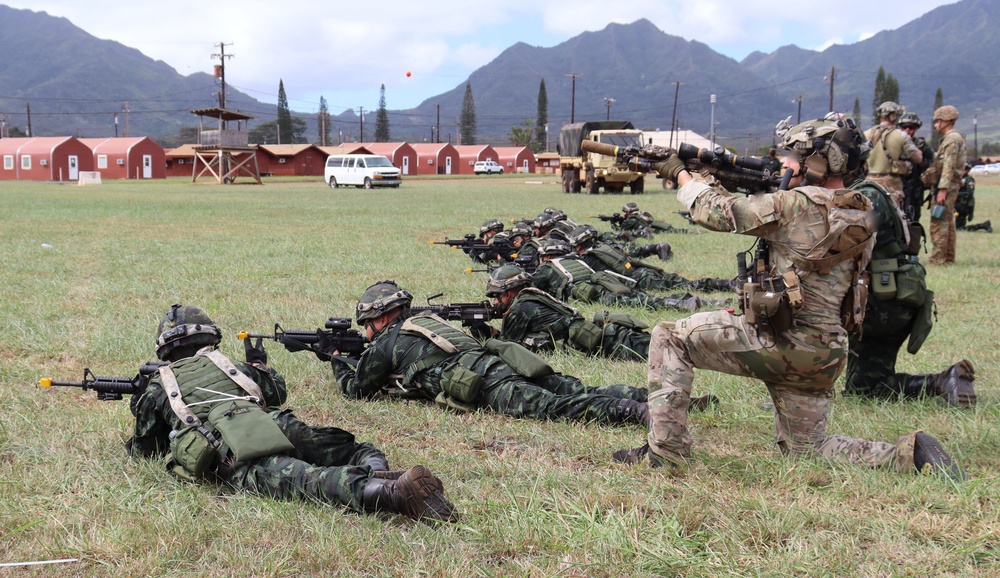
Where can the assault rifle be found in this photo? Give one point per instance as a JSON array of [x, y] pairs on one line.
[[528, 263], [477, 249], [468, 313], [110, 388], [616, 219], [735, 173], [350, 342]]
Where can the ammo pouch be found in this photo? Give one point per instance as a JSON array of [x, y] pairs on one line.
[[193, 452], [911, 287], [604, 318], [617, 284], [522, 360], [585, 335], [459, 387], [247, 430], [884, 278], [923, 321], [772, 309], [930, 177], [586, 292], [900, 167]]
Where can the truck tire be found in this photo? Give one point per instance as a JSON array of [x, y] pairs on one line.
[[638, 186], [566, 181], [593, 185], [576, 184]]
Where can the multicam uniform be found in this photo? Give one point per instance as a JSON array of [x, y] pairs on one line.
[[541, 322], [948, 166], [800, 366], [404, 356], [892, 156], [326, 463]]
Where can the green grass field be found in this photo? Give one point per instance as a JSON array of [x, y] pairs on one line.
[[86, 273]]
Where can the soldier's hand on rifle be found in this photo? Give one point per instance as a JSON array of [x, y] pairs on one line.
[[255, 352], [670, 168], [324, 347], [481, 331]]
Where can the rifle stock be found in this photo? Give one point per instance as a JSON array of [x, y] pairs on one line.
[[468, 313], [350, 342]]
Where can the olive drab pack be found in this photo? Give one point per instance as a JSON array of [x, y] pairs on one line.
[[459, 384]]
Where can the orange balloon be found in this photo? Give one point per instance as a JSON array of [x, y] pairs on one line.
[[407, 73]]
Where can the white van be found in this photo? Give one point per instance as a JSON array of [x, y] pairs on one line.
[[361, 171]]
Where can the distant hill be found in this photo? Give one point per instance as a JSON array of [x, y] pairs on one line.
[[78, 82]]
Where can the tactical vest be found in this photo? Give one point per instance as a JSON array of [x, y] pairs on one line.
[[897, 230], [618, 261], [881, 160], [571, 269], [197, 374], [583, 334]]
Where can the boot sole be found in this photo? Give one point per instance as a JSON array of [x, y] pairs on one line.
[[424, 493], [933, 455]]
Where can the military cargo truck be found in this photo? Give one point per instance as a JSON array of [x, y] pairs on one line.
[[591, 171]]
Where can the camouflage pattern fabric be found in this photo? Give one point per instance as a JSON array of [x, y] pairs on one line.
[[965, 204], [950, 158], [539, 327], [913, 188], [647, 277], [503, 390], [871, 363], [323, 466], [893, 184], [550, 279], [798, 368]]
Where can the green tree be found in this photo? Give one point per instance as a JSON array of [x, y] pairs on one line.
[[467, 122], [541, 120], [938, 103], [891, 89], [267, 132], [323, 122], [879, 90], [521, 135], [856, 115], [284, 116], [382, 119]]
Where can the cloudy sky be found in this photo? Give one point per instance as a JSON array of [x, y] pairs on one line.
[[345, 50]]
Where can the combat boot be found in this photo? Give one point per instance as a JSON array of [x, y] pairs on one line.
[[984, 226], [664, 251], [681, 302], [417, 493], [714, 284], [635, 456], [702, 403], [634, 411], [955, 384], [927, 451], [380, 468]]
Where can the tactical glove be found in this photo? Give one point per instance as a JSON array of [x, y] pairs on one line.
[[323, 348], [670, 168], [481, 331], [255, 352]]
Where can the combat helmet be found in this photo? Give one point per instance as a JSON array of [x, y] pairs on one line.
[[630, 208], [379, 299], [504, 278], [584, 235], [554, 248], [832, 145], [495, 225], [182, 326], [946, 112], [520, 229], [910, 119], [889, 107], [544, 221]]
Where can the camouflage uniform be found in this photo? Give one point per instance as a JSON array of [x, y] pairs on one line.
[[541, 322], [949, 163], [403, 360], [798, 368], [892, 157], [326, 465], [570, 277], [965, 204], [913, 188], [647, 277]]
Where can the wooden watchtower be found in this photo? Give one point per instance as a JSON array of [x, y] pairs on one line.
[[223, 153]]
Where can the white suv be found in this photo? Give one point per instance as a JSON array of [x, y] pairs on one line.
[[488, 166], [361, 171]]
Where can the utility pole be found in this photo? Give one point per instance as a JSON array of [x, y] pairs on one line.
[[711, 128], [437, 138], [116, 125], [221, 69], [362, 117], [572, 105], [673, 117], [28, 108], [798, 99], [608, 102], [975, 131], [322, 128], [126, 118], [833, 75]]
